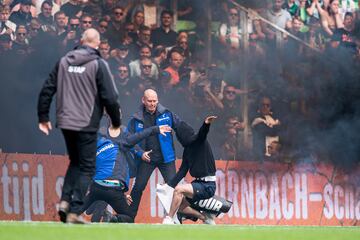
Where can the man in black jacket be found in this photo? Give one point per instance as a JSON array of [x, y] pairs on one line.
[[198, 159], [156, 151], [84, 87]]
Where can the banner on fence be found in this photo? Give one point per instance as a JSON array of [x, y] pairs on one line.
[[262, 193]]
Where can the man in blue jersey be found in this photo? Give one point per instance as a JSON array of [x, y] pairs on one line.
[[114, 167]]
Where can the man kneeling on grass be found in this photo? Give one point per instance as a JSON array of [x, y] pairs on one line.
[[198, 159], [114, 168]]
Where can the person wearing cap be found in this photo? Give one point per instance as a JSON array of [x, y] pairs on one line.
[[23, 15], [199, 160], [119, 55]]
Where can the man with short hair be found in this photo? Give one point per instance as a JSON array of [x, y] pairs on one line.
[[164, 35], [122, 81], [5, 44], [151, 12], [45, 16], [104, 49], [278, 16], [115, 32], [159, 56], [171, 78], [86, 22], [344, 38], [156, 151], [135, 69], [60, 24], [60, 31], [102, 27], [73, 34], [21, 43], [143, 38], [145, 80], [84, 87], [265, 128]]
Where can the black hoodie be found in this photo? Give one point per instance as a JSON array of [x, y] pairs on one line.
[[198, 158]]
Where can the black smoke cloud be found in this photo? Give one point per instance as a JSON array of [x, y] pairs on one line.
[[329, 130]]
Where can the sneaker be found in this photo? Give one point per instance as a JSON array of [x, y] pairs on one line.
[[168, 220], [209, 218], [63, 210], [113, 219], [106, 216], [182, 217], [74, 219]]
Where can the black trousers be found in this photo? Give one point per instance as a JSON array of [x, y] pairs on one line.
[[81, 147], [143, 174], [114, 196]]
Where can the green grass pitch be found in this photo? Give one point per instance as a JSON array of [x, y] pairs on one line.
[[53, 231]]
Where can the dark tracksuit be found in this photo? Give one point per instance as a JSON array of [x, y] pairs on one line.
[[84, 86], [163, 152], [114, 162], [197, 158]]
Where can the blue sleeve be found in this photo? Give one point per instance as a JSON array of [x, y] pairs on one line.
[[136, 150]]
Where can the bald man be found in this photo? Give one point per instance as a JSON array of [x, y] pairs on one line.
[[156, 151], [84, 87]]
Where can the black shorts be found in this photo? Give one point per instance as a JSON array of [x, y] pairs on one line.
[[202, 190]]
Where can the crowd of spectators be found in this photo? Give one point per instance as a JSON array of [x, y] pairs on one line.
[[289, 87]]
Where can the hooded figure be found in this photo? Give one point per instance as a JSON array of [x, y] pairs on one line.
[[84, 86], [197, 158], [186, 134]]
